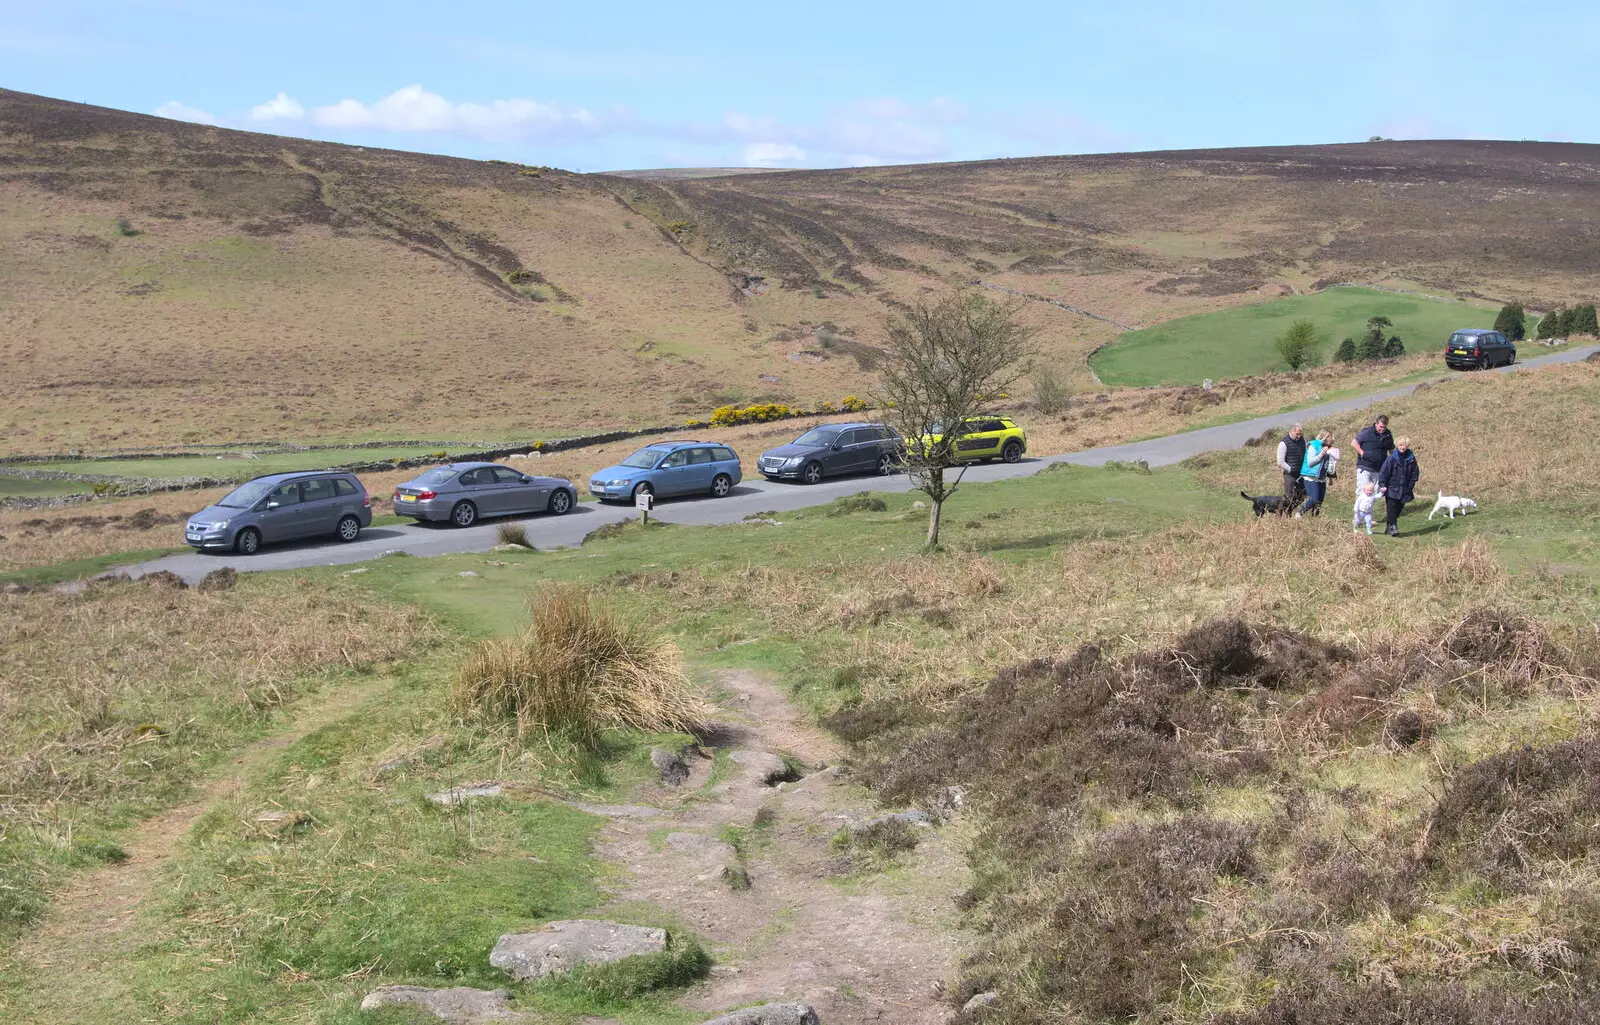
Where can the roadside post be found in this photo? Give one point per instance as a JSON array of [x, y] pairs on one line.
[[644, 502]]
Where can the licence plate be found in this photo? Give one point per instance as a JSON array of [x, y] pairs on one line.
[[408, 498], [195, 537], [1459, 352]]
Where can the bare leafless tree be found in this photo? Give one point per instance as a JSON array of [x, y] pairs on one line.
[[944, 363]]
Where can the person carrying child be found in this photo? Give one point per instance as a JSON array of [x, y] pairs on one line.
[[1366, 500]]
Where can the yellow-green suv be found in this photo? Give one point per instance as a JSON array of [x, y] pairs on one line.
[[988, 437]]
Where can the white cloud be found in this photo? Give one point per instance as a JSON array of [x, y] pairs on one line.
[[881, 130], [877, 131], [179, 112], [773, 154], [280, 108], [414, 109]]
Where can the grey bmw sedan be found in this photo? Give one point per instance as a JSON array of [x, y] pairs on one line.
[[464, 492]]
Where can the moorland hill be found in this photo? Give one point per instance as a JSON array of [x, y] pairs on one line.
[[168, 283]]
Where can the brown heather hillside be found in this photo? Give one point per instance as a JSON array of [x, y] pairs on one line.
[[265, 287]]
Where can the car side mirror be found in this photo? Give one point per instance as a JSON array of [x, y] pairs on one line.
[[272, 505], [527, 479]]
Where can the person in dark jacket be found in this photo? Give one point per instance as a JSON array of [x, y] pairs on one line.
[[1291, 454], [1373, 445], [1397, 482]]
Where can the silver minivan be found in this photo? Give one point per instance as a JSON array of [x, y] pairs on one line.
[[282, 507]]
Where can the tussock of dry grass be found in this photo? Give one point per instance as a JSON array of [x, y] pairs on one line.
[[582, 670]]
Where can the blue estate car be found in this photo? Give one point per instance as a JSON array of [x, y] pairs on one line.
[[669, 468]]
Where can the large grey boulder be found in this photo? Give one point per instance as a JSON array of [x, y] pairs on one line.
[[769, 1014], [458, 1006], [563, 946]]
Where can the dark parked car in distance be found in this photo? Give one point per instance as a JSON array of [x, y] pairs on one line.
[[834, 450], [281, 507], [463, 492], [1479, 348]]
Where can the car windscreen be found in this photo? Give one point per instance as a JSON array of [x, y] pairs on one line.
[[644, 459], [1463, 339], [818, 437], [246, 495], [436, 476]]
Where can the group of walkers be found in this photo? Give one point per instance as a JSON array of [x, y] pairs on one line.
[[1386, 468]]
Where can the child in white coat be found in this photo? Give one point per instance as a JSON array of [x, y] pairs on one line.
[[1366, 498]]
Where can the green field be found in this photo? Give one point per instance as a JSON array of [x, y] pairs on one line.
[[1238, 342], [229, 466], [26, 487]]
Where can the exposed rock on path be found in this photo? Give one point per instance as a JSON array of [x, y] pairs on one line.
[[457, 1006], [769, 1014], [563, 946]]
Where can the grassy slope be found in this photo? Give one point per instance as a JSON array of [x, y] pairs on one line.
[[281, 288], [1239, 342], [843, 608], [26, 487]]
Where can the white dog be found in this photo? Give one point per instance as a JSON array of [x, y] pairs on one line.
[[1452, 504]]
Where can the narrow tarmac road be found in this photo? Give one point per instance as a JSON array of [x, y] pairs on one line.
[[754, 496]]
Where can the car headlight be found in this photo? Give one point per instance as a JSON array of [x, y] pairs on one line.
[[793, 461], [219, 525]]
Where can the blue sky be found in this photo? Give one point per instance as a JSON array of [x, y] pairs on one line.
[[622, 85]]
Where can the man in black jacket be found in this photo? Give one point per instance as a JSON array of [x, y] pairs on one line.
[[1373, 445], [1291, 453]]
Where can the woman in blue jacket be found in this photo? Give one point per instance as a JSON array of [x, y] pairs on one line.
[[1313, 473], [1397, 482]]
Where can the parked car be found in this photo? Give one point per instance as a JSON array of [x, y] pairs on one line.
[[987, 437], [280, 507], [833, 450], [463, 492], [1479, 348], [669, 468]]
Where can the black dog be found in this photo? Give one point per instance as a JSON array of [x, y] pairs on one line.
[[1277, 505]]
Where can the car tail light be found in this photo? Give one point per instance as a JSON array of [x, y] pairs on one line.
[[427, 495], [366, 499]]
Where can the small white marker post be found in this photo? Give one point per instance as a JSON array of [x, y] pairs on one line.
[[644, 501]]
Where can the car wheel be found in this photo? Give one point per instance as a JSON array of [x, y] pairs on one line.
[[465, 514], [349, 529], [812, 472], [248, 541], [560, 502], [1012, 453], [721, 484], [1512, 358], [643, 489], [885, 465], [1483, 362]]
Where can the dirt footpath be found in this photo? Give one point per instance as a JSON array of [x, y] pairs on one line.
[[858, 945]]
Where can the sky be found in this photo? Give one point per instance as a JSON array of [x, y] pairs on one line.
[[592, 87]]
